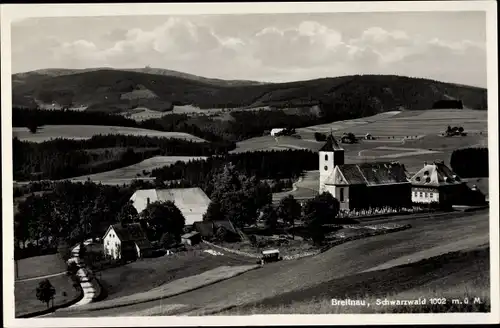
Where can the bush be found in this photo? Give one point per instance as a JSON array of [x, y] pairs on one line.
[[319, 136]]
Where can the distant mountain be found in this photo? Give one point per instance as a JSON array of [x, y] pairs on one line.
[[52, 72], [114, 90]]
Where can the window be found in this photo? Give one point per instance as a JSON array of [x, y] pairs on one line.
[[426, 194], [341, 196], [326, 168], [420, 194], [432, 195], [326, 157]]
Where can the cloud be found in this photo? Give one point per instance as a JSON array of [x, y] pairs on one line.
[[307, 49]]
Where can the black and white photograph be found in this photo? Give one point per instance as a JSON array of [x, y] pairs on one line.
[[241, 164]]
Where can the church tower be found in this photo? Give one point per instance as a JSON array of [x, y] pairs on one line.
[[330, 155]]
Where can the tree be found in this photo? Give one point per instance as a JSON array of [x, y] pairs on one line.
[[460, 129], [316, 232], [321, 209], [289, 210], [163, 217], [45, 292], [128, 213], [319, 136], [270, 216]]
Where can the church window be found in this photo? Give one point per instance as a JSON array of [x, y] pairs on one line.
[[326, 168], [326, 157], [341, 194]]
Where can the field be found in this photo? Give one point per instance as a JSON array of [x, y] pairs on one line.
[[38, 266], [454, 276], [127, 174], [443, 234], [150, 273], [33, 270], [49, 132]]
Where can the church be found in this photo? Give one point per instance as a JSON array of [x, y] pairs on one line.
[[381, 184], [363, 185]]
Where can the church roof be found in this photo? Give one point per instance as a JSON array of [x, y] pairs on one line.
[[369, 174], [331, 145], [435, 175]]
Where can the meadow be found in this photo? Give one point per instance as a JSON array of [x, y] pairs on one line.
[[140, 170], [48, 132], [31, 271]]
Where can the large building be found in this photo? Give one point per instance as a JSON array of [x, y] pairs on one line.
[[363, 185], [436, 183], [192, 202]]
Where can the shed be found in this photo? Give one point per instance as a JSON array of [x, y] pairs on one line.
[[191, 238]]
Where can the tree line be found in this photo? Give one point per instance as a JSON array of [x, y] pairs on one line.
[[470, 162], [65, 158], [275, 165]]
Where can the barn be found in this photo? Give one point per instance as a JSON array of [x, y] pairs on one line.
[[192, 202]]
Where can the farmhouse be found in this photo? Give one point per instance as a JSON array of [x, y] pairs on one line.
[[192, 202], [362, 185], [126, 242], [436, 183]]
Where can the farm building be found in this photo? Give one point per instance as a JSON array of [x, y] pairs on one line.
[[437, 183], [192, 202], [362, 185], [126, 242], [221, 229], [191, 238], [276, 131]]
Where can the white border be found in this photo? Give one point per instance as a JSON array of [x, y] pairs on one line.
[[13, 12]]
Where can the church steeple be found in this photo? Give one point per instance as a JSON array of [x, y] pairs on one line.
[[330, 155]]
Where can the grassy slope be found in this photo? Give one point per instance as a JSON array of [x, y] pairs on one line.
[[343, 260], [103, 89], [453, 275], [25, 291], [149, 273]]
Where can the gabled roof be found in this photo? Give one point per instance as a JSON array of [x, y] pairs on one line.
[[369, 174], [192, 202], [331, 145], [208, 228], [435, 175], [132, 232]]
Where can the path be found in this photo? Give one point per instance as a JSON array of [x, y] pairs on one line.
[[42, 277], [89, 292]]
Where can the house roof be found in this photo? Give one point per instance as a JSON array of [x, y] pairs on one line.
[[192, 202], [435, 175], [331, 145], [132, 232], [208, 228], [369, 174]]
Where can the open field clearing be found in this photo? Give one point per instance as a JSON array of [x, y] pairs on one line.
[[425, 122], [31, 271], [136, 171], [38, 266], [180, 285], [409, 129], [340, 261], [49, 132], [392, 152], [452, 276], [25, 294], [149, 273]]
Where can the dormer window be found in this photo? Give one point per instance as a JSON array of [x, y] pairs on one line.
[[417, 178], [426, 173], [427, 180]]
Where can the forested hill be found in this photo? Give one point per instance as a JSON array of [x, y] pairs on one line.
[[117, 90]]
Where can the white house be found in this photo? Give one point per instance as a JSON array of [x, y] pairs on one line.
[[276, 130], [192, 202], [126, 241]]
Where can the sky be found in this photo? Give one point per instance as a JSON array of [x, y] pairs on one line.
[[446, 46]]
